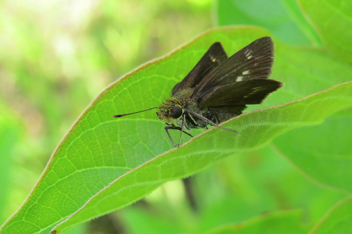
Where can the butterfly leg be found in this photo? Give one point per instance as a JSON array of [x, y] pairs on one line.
[[182, 125], [213, 117], [192, 119], [210, 122], [167, 128], [216, 119]]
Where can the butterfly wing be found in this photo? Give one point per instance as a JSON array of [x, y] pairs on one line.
[[252, 62], [211, 59], [252, 91]]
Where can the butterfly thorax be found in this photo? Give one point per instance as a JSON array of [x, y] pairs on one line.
[[172, 110]]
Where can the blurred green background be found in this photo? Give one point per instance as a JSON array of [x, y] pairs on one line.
[[56, 56]]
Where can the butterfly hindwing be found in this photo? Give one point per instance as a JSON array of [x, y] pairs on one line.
[[252, 91]]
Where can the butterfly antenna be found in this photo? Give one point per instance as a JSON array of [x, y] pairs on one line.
[[118, 116]]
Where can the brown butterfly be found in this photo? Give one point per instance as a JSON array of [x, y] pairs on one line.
[[219, 88]]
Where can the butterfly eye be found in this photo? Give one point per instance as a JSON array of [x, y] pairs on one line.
[[176, 112]]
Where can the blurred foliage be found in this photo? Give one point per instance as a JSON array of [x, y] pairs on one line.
[[283, 18], [56, 56]]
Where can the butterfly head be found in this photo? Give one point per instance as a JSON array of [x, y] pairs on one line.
[[170, 112]]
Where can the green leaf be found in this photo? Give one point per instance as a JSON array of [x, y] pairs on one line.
[[296, 15], [283, 18], [277, 222], [256, 128], [322, 151], [337, 220], [103, 164], [333, 20]]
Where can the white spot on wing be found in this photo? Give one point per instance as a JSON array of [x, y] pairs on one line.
[[239, 78], [245, 72], [248, 54]]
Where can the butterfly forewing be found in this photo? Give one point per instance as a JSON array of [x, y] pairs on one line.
[[211, 59], [252, 62]]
